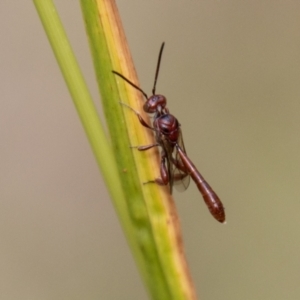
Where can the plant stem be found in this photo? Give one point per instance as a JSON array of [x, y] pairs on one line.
[[147, 212]]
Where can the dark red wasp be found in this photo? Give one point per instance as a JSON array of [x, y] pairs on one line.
[[175, 166]]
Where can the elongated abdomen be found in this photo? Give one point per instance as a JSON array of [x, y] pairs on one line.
[[211, 199]]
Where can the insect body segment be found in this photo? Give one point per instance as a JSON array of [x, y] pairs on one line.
[[175, 166]]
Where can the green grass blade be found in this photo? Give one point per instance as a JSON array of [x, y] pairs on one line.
[[84, 105]]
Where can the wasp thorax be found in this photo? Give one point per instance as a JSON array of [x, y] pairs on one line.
[[155, 103], [168, 126]]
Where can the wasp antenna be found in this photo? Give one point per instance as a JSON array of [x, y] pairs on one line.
[[157, 67], [131, 83]]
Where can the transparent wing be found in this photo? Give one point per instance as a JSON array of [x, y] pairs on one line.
[[181, 178]]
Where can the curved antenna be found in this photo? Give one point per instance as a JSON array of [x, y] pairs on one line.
[[157, 68], [131, 83]]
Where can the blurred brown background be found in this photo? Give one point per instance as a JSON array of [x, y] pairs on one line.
[[231, 72]]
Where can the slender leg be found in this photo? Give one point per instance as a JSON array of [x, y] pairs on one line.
[[145, 147], [142, 121], [178, 177], [164, 180], [179, 165]]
